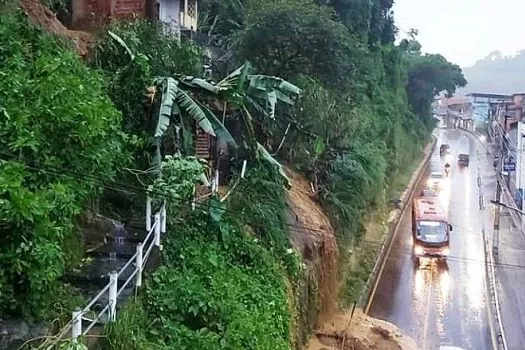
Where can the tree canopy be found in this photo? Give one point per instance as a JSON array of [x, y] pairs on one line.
[[428, 76], [61, 141]]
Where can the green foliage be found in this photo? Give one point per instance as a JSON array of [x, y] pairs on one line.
[[129, 332], [248, 94], [259, 201], [60, 141], [220, 19], [428, 75], [354, 180], [177, 183], [217, 289], [290, 37], [166, 55], [150, 52]]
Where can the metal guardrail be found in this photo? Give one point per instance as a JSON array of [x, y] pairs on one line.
[[138, 262]]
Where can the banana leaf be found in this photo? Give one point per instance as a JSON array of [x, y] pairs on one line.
[[195, 111], [122, 43], [201, 83], [263, 153], [169, 90], [219, 128]]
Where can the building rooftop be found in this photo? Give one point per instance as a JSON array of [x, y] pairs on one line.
[[479, 94]]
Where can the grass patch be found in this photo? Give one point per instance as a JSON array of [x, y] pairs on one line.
[[223, 283], [401, 180], [358, 257]]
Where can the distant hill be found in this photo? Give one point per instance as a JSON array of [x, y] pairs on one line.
[[496, 74]]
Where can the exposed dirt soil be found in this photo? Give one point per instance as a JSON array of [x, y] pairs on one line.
[[40, 15], [313, 236], [359, 333]]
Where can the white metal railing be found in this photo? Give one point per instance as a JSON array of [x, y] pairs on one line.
[[138, 262]]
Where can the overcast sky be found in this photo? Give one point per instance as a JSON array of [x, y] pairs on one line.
[[464, 30]]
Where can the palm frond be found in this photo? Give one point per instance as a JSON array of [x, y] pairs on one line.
[[122, 43], [194, 110], [265, 155], [238, 77], [219, 128], [200, 83], [270, 90], [265, 83], [169, 90]]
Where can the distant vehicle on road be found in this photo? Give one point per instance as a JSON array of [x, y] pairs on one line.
[[444, 149], [430, 229], [435, 180], [428, 192], [463, 159]]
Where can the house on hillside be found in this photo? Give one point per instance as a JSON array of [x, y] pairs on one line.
[[180, 16]]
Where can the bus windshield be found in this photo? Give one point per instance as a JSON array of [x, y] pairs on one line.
[[431, 231]]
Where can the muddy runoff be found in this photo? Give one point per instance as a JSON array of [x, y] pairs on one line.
[[320, 324]]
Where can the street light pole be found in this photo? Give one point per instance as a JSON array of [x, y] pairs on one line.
[[497, 211]]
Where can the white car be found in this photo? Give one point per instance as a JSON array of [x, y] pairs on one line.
[[435, 180]]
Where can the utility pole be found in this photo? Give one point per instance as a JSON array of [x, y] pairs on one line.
[[495, 236], [497, 209]]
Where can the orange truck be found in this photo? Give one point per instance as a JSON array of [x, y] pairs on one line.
[[430, 229]]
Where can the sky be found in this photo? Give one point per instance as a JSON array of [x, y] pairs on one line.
[[464, 30]]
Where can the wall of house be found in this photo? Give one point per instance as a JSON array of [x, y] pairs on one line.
[[89, 13], [169, 13], [129, 7], [518, 101]]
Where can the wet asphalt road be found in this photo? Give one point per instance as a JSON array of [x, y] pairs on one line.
[[444, 304]]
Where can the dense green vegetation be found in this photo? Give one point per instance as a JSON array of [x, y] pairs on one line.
[[352, 114], [60, 143], [218, 286]]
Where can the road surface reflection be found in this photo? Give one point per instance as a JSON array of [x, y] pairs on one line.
[[442, 302]]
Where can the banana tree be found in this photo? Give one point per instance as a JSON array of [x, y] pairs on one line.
[[240, 91], [241, 87], [174, 100], [244, 91], [175, 104]]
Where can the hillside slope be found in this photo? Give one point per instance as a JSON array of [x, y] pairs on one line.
[[313, 236]]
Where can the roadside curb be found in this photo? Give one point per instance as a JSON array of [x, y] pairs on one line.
[[496, 330], [368, 293]]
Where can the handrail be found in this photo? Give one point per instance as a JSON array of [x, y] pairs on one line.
[[95, 299], [139, 259]]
